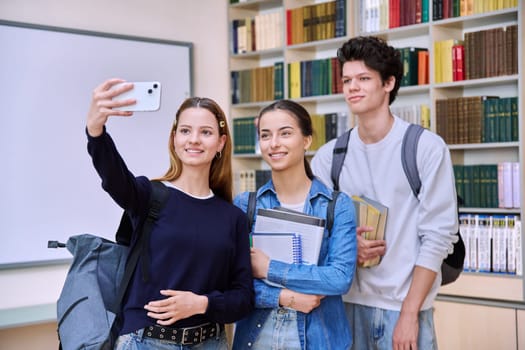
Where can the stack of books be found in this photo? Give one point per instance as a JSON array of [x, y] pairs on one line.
[[371, 213], [288, 235]]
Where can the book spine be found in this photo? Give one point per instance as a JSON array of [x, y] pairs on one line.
[[512, 241], [519, 257], [516, 187]]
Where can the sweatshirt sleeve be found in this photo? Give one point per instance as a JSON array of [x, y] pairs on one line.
[[437, 217]]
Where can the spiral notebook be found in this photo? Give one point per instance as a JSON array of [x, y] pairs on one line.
[[285, 247], [310, 228]]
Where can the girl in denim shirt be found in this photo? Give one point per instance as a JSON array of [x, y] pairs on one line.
[[307, 312]]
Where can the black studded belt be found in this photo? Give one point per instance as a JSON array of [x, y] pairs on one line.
[[185, 336]]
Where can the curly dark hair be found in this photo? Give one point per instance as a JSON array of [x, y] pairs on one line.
[[376, 55]]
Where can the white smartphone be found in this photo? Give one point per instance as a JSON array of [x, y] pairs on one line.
[[146, 93]]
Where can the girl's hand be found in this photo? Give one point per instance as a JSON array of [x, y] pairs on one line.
[[177, 306], [298, 301], [102, 105], [260, 263]]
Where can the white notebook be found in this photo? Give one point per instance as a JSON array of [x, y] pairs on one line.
[[310, 228], [285, 247]]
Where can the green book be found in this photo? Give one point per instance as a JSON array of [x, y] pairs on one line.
[[514, 119], [458, 175], [278, 80], [476, 186], [467, 185]]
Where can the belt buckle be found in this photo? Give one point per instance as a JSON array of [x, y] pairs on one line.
[[184, 336], [191, 341]]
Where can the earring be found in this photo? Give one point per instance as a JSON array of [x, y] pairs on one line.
[[218, 155]]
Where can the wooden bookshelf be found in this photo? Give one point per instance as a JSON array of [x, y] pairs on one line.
[[480, 288], [423, 34]]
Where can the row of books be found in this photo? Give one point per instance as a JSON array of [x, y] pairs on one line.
[[489, 185], [245, 135], [442, 9], [314, 78], [379, 15], [415, 66], [250, 180], [261, 32], [327, 127], [415, 114], [315, 22], [258, 84], [477, 119], [492, 243], [482, 54]]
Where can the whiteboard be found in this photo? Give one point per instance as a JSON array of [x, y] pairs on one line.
[[49, 189]]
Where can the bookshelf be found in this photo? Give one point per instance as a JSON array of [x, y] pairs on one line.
[[441, 25], [287, 50]]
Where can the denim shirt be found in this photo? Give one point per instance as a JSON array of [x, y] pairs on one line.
[[325, 327]]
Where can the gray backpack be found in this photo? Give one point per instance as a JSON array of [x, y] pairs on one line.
[[453, 263], [89, 305]]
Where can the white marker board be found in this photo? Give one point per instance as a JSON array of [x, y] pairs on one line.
[[48, 187]]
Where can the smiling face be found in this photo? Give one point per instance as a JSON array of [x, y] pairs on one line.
[[364, 90], [196, 137], [281, 141]]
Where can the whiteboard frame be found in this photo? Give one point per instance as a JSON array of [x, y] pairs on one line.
[[133, 40]]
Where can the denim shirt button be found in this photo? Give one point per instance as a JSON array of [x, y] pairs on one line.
[[250, 344], [259, 325]]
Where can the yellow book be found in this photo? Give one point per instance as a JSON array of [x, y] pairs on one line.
[[437, 62], [361, 210], [445, 60], [374, 214], [425, 116], [294, 79]]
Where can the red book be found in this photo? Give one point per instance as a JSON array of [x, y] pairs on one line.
[[393, 15], [419, 11], [289, 27], [458, 62]]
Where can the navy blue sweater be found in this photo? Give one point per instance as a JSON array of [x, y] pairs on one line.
[[197, 245]]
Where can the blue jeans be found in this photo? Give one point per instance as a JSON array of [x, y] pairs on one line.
[[373, 328], [135, 341], [279, 331]]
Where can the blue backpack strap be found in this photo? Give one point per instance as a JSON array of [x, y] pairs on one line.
[[330, 212], [409, 156], [250, 212], [339, 153]]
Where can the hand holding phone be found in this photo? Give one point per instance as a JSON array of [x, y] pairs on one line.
[[147, 96]]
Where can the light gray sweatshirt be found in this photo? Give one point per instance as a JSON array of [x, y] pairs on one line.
[[418, 231]]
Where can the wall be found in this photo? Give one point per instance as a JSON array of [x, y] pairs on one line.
[[204, 23]]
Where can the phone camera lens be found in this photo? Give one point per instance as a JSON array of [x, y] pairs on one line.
[[155, 86], [150, 91]]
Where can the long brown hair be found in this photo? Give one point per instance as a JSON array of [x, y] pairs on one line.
[[221, 182]]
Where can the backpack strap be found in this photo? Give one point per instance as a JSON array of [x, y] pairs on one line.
[[409, 156], [159, 196], [250, 212], [339, 153], [330, 210]]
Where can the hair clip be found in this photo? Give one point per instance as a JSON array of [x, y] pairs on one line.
[[222, 123]]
